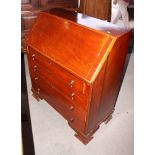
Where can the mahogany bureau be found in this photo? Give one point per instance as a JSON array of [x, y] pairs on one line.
[[76, 64]]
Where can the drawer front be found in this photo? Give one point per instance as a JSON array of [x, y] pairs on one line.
[[76, 90], [60, 86], [73, 115]]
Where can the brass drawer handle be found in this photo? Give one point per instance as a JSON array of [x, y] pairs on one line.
[[72, 95], [72, 120], [33, 57], [71, 108], [35, 68], [72, 82], [36, 78], [38, 91]]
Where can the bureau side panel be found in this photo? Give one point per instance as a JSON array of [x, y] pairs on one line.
[[95, 100], [107, 84], [113, 77]]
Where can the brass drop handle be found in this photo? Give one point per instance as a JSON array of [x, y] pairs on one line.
[[71, 108], [35, 68], [38, 90], [71, 83], [33, 57], [72, 95], [36, 78], [72, 120]]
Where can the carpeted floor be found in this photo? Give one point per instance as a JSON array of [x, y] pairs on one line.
[[53, 136]]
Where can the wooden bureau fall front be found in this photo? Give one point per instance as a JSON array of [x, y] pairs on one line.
[[76, 65]]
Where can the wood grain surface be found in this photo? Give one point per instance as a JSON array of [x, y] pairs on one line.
[[76, 64]]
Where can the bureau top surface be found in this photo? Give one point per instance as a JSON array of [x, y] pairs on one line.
[[75, 47], [88, 21]]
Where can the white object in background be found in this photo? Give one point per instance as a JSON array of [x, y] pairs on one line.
[[120, 10]]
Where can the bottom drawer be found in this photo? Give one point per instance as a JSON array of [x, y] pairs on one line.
[[74, 116]]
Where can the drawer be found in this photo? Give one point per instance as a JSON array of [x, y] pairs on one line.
[[70, 86], [73, 115], [77, 101], [61, 73], [60, 86]]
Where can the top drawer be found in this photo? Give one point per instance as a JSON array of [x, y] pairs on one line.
[[60, 77]]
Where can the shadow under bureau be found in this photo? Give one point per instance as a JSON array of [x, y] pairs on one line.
[[76, 64]]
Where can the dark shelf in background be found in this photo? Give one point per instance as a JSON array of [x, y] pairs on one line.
[[27, 136]]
